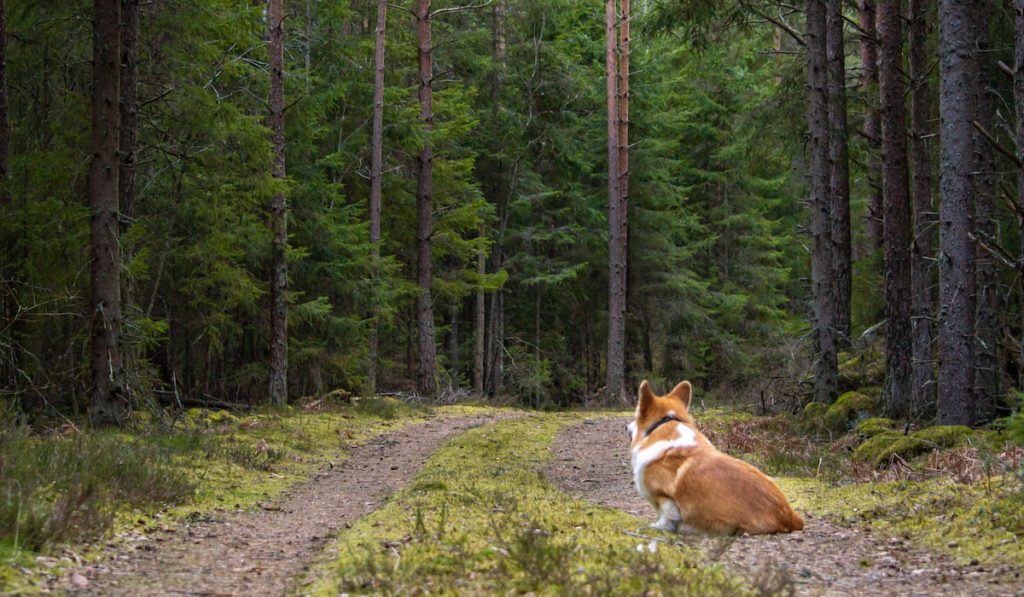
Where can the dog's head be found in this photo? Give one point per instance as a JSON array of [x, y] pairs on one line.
[[650, 409]]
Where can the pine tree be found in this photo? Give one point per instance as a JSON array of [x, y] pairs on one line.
[[896, 230], [923, 246], [956, 261], [107, 374], [376, 158], [278, 391], [839, 175], [822, 260]]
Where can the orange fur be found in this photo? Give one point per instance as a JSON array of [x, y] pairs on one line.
[[691, 483]]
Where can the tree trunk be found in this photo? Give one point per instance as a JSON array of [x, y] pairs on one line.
[[5, 132], [623, 123], [106, 406], [872, 122], [839, 176], [426, 378], [986, 275], [896, 229], [922, 309], [479, 319], [129, 144], [1018, 92], [956, 260], [376, 159], [615, 383], [822, 275], [278, 212]]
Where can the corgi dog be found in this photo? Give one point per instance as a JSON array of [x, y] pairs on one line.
[[693, 486]]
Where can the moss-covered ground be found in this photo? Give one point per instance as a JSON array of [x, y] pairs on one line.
[[481, 519]]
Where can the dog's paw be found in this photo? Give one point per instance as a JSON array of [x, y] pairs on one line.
[[665, 524]]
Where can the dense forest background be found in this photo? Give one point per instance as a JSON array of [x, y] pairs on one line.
[[738, 182]]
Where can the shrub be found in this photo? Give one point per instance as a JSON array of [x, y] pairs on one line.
[[67, 488]]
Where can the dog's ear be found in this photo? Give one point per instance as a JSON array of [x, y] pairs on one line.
[[646, 401], [683, 391]]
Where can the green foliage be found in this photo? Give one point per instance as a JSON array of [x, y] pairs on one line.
[[875, 426]]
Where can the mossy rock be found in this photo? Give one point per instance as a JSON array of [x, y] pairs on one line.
[[884, 448], [875, 426], [847, 410], [813, 417], [861, 370]]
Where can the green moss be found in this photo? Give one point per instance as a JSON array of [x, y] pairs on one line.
[[875, 426], [479, 519], [886, 447], [862, 369], [847, 410], [938, 513], [812, 419]]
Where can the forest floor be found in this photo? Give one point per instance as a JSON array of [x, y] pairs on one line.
[[489, 501]]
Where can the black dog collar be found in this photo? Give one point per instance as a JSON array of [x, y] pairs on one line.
[[662, 421]]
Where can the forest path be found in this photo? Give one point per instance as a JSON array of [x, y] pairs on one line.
[[263, 552], [591, 461]]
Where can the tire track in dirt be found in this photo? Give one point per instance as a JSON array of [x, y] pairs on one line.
[[591, 461], [264, 552]]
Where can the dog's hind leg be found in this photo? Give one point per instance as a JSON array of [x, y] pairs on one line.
[[669, 518]]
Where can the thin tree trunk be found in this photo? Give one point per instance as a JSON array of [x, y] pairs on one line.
[[5, 132], [129, 144], [479, 319], [956, 208], [839, 177], [278, 387], [1018, 92], [615, 385], [106, 406], [623, 117], [923, 247], [895, 193], [986, 275], [822, 277], [872, 127], [376, 160], [426, 378]]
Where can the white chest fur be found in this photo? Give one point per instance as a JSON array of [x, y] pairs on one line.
[[647, 452]]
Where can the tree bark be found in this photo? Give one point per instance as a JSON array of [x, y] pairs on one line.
[[956, 259], [839, 176], [426, 378], [107, 376], [5, 132], [479, 320], [278, 387], [129, 144], [625, 37], [896, 228], [986, 275], [615, 382], [822, 275], [1018, 92], [872, 127], [376, 160], [923, 246]]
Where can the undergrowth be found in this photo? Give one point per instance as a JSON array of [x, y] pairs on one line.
[[481, 519]]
